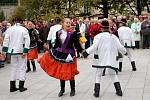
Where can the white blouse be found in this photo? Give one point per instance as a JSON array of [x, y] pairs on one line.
[[63, 36]]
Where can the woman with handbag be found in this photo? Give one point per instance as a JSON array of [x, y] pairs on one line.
[[60, 62]]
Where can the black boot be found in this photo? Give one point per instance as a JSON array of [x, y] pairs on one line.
[[34, 67], [13, 86], [96, 89], [118, 88], [72, 85], [28, 67], [62, 85], [133, 66], [21, 86], [120, 67], [104, 72]]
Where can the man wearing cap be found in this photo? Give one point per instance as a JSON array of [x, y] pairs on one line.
[[106, 46], [16, 43], [126, 38]]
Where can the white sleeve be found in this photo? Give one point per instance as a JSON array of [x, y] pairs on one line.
[[6, 39], [120, 47], [139, 28], [132, 27], [119, 34], [50, 34], [132, 38], [26, 39], [82, 28], [94, 46]]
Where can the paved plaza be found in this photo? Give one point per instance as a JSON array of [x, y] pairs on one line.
[[135, 85]]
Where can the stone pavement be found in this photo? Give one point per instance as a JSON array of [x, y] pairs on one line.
[[135, 85]]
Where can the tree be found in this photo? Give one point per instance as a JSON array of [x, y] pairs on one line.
[[2, 16], [47, 9], [106, 6], [145, 3]]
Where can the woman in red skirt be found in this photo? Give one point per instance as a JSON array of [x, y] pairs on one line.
[[60, 62], [33, 52]]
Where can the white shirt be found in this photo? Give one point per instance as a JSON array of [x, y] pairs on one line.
[[106, 45], [16, 39], [63, 36], [126, 36], [53, 30]]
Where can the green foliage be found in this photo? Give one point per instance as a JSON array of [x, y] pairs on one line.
[[48, 9], [2, 16], [20, 12]]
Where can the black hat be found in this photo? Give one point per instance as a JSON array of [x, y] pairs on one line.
[[105, 23], [17, 19]]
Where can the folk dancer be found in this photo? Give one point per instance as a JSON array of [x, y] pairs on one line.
[[17, 42], [106, 45], [33, 52], [60, 62], [126, 38]]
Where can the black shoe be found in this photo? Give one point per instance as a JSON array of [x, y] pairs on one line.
[[72, 93], [134, 69], [61, 93], [133, 66], [21, 86], [96, 89], [72, 86], [28, 70], [120, 67], [62, 85], [13, 86], [118, 88], [104, 71]]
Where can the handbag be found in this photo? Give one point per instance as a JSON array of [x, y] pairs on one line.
[[82, 39]]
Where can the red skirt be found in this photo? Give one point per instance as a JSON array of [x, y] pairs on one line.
[[62, 71], [32, 54]]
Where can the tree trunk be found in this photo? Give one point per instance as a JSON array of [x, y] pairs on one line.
[[148, 10], [69, 8], [138, 6], [105, 8]]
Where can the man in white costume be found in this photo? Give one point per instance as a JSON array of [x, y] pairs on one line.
[[52, 33], [17, 42], [126, 38], [106, 46]]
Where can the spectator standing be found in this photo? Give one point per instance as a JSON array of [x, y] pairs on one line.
[[145, 31], [136, 28]]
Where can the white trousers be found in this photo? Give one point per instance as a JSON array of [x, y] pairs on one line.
[[18, 68], [128, 55], [112, 74]]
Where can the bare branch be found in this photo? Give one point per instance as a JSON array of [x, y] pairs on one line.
[[131, 7]]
